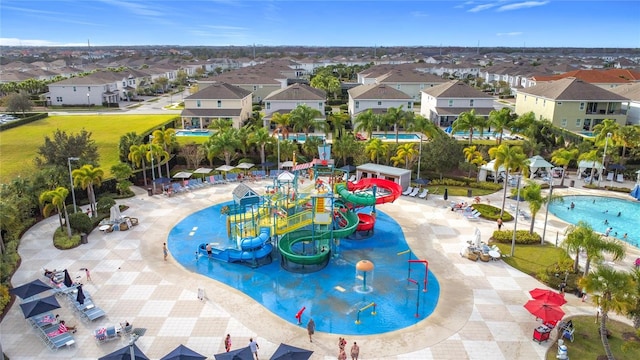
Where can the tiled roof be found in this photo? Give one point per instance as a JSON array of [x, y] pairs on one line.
[[455, 89], [221, 91], [590, 76], [630, 91], [624, 74], [377, 91], [298, 92], [571, 89], [244, 78], [409, 76]]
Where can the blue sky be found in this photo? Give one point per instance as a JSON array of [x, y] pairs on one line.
[[511, 23]]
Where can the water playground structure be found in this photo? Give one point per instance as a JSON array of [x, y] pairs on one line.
[[301, 217]]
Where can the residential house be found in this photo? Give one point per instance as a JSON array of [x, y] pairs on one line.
[[632, 107], [604, 79], [261, 86], [443, 103], [94, 89], [216, 101], [571, 104], [287, 99], [378, 98]]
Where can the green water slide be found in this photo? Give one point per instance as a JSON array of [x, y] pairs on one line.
[[287, 240], [358, 198]]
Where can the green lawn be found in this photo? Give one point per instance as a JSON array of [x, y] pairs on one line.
[[19, 146], [587, 343], [531, 259]]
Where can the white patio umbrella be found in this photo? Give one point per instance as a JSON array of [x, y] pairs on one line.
[[245, 166], [225, 168], [202, 170], [114, 214], [287, 164], [182, 175]]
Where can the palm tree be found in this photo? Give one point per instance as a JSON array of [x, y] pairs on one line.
[[397, 117], [154, 155], [376, 147], [167, 139], [55, 200], [532, 193], [225, 142], [137, 154], [261, 138], [512, 159], [592, 157], [283, 124], [339, 121], [406, 154], [126, 140], [243, 135], [633, 310], [628, 137], [469, 121], [563, 157], [611, 290], [221, 124], [473, 156], [8, 218], [303, 118], [501, 119], [346, 146], [367, 121], [607, 126], [85, 177], [582, 237], [424, 126]]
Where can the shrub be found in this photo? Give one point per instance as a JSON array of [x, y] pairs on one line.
[[344, 107], [62, 242], [104, 204], [81, 222], [4, 297], [491, 212], [618, 189], [522, 237]]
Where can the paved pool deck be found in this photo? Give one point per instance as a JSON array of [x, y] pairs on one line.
[[480, 314]]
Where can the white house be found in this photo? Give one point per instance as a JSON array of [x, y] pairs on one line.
[[216, 101], [443, 103], [377, 97], [287, 99]]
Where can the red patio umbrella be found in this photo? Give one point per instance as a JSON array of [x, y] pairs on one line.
[[548, 296], [546, 312]]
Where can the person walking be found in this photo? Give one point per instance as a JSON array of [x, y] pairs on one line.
[[253, 345], [165, 251], [311, 328], [342, 355], [342, 343], [227, 343], [499, 221], [87, 273], [355, 351]]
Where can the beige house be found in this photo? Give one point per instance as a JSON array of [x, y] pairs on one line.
[[378, 98], [442, 104], [216, 101], [571, 104], [287, 99], [261, 86]]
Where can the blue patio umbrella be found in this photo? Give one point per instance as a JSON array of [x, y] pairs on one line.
[[183, 353], [636, 192], [67, 279], [422, 181], [348, 168], [162, 180], [30, 289], [288, 352], [238, 354], [39, 306], [80, 297], [125, 354], [267, 164]]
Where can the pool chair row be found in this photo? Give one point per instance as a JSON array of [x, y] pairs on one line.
[[87, 310], [415, 192], [46, 326]]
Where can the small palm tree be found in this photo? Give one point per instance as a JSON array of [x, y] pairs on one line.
[[592, 157], [303, 118], [563, 157], [86, 177], [581, 237], [501, 119], [611, 289], [166, 138], [137, 155], [473, 156], [376, 147], [469, 121], [532, 193], [283, 124], [55, 200], [406, 154], [513, 159], [367, 121], [261, 139]]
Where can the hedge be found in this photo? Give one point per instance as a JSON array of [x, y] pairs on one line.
[[491, 212], [522, 237]]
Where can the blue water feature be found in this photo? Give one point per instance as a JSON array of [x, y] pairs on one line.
[[194, 133], [301, 138], [594, 210], [332, 296], [392, 136]]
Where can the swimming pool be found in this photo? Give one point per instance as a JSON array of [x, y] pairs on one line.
[[392, 136], [596, 209], [331, 296], [301, 137], [196, 132]]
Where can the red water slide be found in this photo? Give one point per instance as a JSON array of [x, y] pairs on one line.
[[387, 190]]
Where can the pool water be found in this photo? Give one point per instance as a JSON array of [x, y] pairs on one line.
[[331, 296], [594, 210], [392, 136], [301, 137], [194, 133]]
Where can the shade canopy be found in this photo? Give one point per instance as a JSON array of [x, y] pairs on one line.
[[490, 167], [125, 354], [538, 162], [115, 216], [548, 296], [182, 175], [586, 164], [202, 170], [286, 176], [245, 166], [225, 168], [30, 289], [39, 306], [348, 168], [543, 311], [288, 352], [286, 164], [162, 180], [183, 353], [422, 181], [238, 354]]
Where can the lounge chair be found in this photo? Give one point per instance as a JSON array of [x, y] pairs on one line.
[[525, 216], [414, 192], [620, 178], [474, 215], [352, 178], [106, 334], [423, 194], [408, 191], [610, 176]]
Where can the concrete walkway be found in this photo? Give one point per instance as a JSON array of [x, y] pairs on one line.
[[480, 314]]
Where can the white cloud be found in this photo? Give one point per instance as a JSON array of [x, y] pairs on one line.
[[513, 33], [522, 5], [419, 14], [482, 7], [135, 8], [34, 42]]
